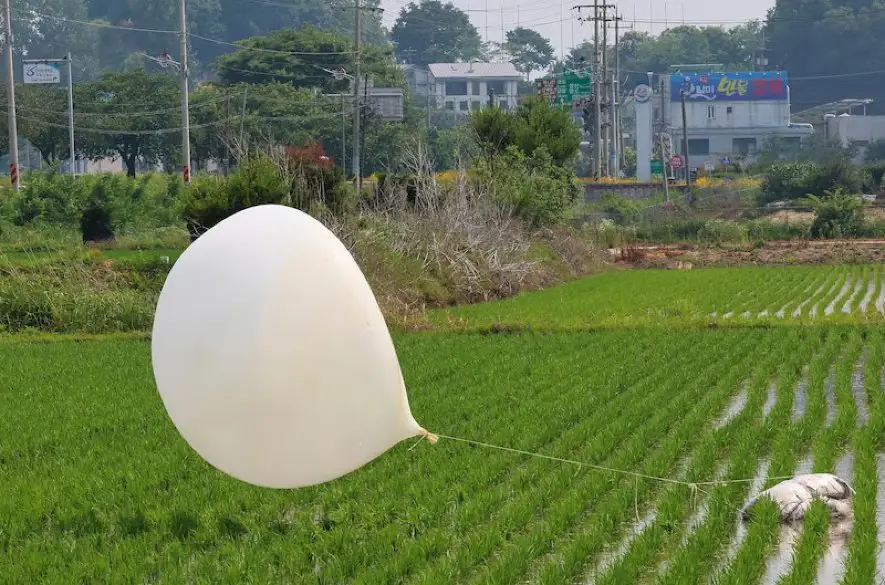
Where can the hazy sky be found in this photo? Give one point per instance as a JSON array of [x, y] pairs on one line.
[[555, 19]]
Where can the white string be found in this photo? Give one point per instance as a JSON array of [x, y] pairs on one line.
[[694, 486]]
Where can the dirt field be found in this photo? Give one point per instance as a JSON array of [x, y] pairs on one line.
[[772, 253]]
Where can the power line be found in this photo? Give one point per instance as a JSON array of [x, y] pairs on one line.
[[96, 24], [270, 51]]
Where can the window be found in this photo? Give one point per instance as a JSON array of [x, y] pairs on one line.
[[697, 146], [744, 146], [463, 106], [711, 112], [729, 110], [474, 88], [456, 88], [450, 106], [499, 87], [476, 106]]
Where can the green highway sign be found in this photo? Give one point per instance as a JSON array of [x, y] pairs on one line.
[[567, 89], [571, 88], [657, 167]]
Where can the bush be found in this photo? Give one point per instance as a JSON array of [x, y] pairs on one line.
[[96, 219], [837, 215], [622, 209], [873, 175], [839, 174], [260, 180], [721, 232], [538, 190], [787, 181]]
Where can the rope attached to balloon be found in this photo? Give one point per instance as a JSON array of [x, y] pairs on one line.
[[694, 486]]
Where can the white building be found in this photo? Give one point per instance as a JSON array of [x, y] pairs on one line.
[[730, 114], [465, 87], [860, 130]]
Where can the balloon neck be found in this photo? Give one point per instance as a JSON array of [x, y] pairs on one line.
[[431, 438]]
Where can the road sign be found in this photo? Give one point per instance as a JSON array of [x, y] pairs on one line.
[[571, 88], [726, 161], [657, 167], [42, 73], [642, 93], [676, 161]]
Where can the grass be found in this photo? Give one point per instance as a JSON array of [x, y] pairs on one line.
[[97, 486]]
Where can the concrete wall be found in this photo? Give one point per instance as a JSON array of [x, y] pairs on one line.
[[862, 128]]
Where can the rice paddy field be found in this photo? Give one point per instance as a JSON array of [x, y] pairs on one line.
[[694, 390]]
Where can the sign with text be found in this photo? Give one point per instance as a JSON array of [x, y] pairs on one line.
[[40, 73], [720, 87], [569, 89]]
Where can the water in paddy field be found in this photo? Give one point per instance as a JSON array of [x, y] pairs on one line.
[[844, 291], [857, 388], [698, 515], [880, 517], [640, 524], [780, 562], [734, 408], [868, 298], [801, 396], [741, 532], [830, 396], [832, 565], [798, 310], [814, 309], [770, 400], [846, 308]]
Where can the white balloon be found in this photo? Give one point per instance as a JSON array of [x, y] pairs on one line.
[[271, 355]]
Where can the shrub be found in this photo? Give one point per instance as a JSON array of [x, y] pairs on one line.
[[837, 215], [261, 180], [622, 209], [873, 175], [838, 174], [721, 232], [96, 219], [787, 181], [538, 190]]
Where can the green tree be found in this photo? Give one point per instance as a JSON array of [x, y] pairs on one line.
[[304, 58], [133, 115], [534, 125], [530, 51], [433, 32], [43, 120], [42, 31]]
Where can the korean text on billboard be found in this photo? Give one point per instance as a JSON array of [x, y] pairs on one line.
[[747, 86]]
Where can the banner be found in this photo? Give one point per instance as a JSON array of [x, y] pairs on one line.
[[719, 87]]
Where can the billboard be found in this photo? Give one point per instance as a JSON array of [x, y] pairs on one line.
[[721, 87]]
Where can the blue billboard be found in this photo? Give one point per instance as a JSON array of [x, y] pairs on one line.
[[721, 87]]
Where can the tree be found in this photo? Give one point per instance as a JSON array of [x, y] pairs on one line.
[[529, 50], [534, 125], [796, 26], [433, 32], [133, 114], [42, 30], [43, 120], [273, 58]]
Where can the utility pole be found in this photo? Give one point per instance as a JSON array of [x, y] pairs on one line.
[[602, 98], [597, 94], [358, 48], [10, 80], [71, 113], [185, 99], [616, 101], [685, 143]]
